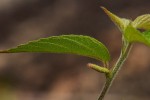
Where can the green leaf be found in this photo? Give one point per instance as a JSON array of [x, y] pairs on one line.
[[133, 35], [121, 23], [142, 22], [68, 44], [146, 34]]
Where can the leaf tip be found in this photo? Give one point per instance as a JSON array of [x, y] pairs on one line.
[[89, 65], [104, 9]]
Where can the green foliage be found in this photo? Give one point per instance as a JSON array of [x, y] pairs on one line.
[[72, 44], [142, 22], [146, 34], [121, 23], [130, 28], [90, 47], [133, 35], [130, 34]]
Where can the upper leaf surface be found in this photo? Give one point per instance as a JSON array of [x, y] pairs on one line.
[[70, 44], [133, 35], [146, 34], [121, 23], [142, 22]]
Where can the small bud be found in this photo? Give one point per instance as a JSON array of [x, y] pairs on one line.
[[98, 68]]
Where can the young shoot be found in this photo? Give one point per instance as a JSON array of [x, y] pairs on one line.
[[90, 47]]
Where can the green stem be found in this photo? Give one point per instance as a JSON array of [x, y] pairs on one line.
[[110, 77]]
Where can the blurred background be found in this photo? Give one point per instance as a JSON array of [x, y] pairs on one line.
[[38, 76]]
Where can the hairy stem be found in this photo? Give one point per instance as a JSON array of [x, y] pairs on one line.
[[110, 77]]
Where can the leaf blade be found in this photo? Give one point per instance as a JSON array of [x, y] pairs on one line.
[[146, 34], [142, 22], [72, 44], [133, 35]]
